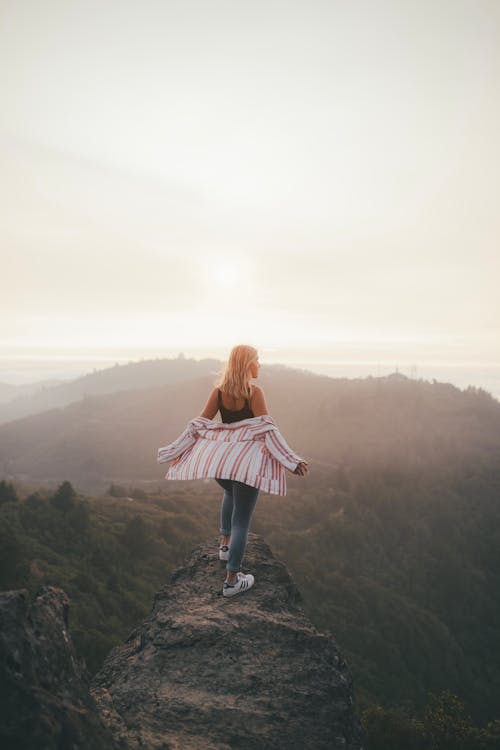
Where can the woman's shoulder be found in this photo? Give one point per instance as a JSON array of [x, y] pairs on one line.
[[215, 394], [258, 402]]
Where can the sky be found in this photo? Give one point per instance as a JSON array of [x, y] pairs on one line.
[[317, 178]]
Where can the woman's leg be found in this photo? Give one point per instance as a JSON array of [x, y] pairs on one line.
[[226, 510], [244, 501]]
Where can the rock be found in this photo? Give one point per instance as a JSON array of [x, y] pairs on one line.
[[201, 673], [205, 672], [45, 702]]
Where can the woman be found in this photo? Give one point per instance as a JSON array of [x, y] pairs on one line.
[[238, 399]]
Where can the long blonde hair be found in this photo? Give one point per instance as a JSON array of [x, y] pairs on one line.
[[235, 379]]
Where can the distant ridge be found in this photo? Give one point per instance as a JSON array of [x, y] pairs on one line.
[[131, 376], [390, 421], [9, 392]]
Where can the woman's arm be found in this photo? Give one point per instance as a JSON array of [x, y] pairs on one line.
[[258, 402], [212, 406], [281, 451]]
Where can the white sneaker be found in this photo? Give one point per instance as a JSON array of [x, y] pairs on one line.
[[223, 552], [244, 582]]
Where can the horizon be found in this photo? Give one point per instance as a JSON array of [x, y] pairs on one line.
[[29, 369]]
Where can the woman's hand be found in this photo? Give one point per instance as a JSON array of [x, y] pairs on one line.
[[301, 469]]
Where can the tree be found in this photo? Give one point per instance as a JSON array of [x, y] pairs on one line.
[[116, 490], [393, 729], [64, 498], [136, 537], [8, 493], [447, 723], [488, 738]]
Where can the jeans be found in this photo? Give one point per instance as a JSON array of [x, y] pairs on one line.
[[236, 511]]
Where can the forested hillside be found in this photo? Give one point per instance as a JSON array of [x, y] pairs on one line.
[[366, 423], [402, 569]]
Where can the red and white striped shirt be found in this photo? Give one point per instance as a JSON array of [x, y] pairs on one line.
[[252, 451]]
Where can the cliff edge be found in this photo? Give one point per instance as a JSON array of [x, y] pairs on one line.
[[204, 672], [44, 692]]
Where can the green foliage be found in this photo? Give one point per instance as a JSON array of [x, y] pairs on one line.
[[393, 729], [65, 497], [488, 738], [136, 537], [447, 723], [116, 490], [8, 493], [13, 546]]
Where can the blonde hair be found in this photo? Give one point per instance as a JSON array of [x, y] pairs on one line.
[[235, 378]]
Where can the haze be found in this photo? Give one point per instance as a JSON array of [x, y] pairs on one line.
[[319, 179]]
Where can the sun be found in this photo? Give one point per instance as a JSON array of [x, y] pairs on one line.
[[225, 275]]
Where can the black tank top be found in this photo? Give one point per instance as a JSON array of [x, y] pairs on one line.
[[234, 415]]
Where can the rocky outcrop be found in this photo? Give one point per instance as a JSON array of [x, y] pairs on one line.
[[205, 672], [201, 673], [44, 697]]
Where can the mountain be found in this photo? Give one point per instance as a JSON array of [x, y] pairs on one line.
[[337, 424], [10, 392], [26, 400], [200, 673]]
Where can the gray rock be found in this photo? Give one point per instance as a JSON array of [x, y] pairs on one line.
[[45, 702], [205, 672]]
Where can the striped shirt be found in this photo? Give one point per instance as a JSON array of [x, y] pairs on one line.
[[252, 451]]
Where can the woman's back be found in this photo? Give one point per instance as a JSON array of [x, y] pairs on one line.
[[232, 414]]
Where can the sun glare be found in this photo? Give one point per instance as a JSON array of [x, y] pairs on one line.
[[225, 275]]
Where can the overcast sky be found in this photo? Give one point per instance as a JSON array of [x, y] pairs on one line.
[[315, 176]]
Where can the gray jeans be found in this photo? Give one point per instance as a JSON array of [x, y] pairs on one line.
[[236, 511]]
